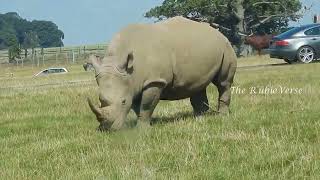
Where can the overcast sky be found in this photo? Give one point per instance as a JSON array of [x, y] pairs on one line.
[[94, 21]]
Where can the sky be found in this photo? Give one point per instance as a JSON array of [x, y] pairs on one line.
[[96, 21], [308, 16]]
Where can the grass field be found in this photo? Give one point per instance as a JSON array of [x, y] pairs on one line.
[[48, 132]]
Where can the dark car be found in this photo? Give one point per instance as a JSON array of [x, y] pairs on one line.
[[298, 44]]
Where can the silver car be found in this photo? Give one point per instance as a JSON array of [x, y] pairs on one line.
[[298, 44], [52, 71]]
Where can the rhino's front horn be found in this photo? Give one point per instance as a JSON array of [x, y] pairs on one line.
[[96, 110]]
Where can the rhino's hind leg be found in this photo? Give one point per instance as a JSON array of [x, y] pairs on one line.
[[199, 102], [224, 80], [224, 98]]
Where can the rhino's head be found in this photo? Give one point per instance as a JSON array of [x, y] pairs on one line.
[[115, 90]]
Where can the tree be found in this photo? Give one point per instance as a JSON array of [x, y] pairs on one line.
[[31, 40], [14, 49], [235, 18], [47, 32]]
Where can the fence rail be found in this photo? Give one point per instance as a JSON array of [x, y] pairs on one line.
[[40, 56]]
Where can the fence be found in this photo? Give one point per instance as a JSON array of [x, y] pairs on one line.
[[56, 55]]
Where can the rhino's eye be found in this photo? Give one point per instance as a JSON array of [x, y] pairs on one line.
[[123, 102]]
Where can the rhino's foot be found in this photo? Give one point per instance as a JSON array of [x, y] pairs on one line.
[[224, 110], [199, 113], [199, 102]]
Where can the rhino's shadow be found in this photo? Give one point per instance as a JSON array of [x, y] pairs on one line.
[[181, 116], [170, 118]]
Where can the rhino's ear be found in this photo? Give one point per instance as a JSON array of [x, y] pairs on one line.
[[95, 61], [127, 64]]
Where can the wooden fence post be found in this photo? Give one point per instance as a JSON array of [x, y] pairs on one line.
[[73, 58], [42, 59], [38, 62], [42, 54], [67, 57], [56, 57], [32, 57]]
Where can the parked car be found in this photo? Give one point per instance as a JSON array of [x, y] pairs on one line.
[[52, 71], [298, 44]]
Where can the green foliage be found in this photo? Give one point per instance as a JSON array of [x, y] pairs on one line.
[[14, 52], [282, 11], [31, 40], [35, 33], [48, 33], [12, 42], [259, 17]]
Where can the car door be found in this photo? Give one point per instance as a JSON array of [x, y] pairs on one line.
[[313, 39]]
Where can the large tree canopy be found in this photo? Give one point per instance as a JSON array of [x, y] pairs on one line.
[[233, 17], [15, 30]]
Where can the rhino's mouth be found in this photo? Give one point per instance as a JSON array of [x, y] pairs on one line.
[[104, 126]]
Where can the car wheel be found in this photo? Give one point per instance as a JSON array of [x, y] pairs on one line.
[[306, 54]]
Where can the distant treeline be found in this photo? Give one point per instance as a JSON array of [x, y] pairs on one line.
[[17, 33]]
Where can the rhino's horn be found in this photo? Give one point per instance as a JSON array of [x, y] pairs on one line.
[[96, 110]]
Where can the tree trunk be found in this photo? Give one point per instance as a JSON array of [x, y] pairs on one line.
[[241, 48], [25, 53]]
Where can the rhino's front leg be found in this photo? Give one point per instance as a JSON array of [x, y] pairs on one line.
[[149, 100]]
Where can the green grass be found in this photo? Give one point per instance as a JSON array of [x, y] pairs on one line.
[[48, 132]]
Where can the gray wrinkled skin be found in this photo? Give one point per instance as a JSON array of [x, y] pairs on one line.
[[170, 60]]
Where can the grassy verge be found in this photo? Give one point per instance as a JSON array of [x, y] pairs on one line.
[[48, 132]]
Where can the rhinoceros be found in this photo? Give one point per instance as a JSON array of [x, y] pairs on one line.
[[169, 60]]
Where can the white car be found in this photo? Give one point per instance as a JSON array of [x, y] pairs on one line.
[[52, 71]]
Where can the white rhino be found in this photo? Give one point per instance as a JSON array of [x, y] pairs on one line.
[[170, 60]]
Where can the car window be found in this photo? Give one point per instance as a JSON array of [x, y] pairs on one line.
[[60, 70], [290, 32], [313, 32]]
